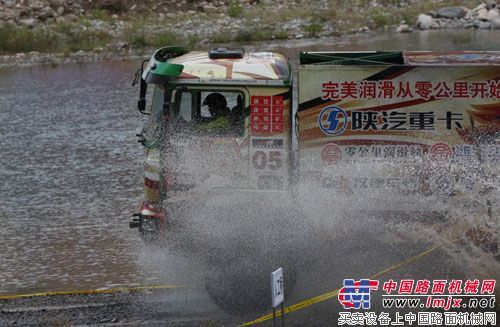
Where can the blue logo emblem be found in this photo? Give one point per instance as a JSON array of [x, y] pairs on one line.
[[356, 294], [332, 120]]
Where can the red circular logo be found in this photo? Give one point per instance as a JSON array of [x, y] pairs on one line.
[[331, 153], [441, 152]]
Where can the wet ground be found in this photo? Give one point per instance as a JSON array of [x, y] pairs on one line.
[[71, 176], [355, 256]]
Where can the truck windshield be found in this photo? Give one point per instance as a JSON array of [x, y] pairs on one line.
[[209, 112]]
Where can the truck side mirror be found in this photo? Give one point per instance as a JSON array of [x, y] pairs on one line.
[[141, 104]]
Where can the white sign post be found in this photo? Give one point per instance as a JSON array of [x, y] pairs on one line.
[[278, 294]]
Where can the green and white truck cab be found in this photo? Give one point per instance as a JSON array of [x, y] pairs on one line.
[[193, 151]]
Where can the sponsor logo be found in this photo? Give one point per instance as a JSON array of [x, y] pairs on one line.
[[331, 153], [441, 152], [332, 120]]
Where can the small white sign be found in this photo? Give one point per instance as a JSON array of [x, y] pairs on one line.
[[277, 293]]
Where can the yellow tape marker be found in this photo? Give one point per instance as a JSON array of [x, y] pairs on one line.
[[320, 298], [86, 292]]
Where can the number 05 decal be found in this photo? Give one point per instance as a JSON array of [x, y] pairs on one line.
[[262, 160]]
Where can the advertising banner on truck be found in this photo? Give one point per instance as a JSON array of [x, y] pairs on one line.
[[429, 113]]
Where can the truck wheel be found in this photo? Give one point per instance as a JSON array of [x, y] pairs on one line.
[[151, 238], [244, 287]]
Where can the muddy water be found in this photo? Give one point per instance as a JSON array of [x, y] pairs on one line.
[[70, 176], [423, 40], [70, 166]]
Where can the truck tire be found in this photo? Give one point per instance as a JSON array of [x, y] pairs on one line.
[[242, 287]]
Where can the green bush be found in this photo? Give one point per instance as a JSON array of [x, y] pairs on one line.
[[73, 38], [244, 36], [164, 39], [313, 29], [22, 39], [249, 35], [221, 38], [380, 18], [135, 35], [281, 35], [113, 6], [235, 9], [193, 41], [100, 14]]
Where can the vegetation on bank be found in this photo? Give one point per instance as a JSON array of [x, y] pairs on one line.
[[151, 30]]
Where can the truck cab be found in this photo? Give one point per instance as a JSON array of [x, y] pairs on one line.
[[219, 129]]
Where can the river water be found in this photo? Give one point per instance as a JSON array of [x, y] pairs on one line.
[[71, 168]]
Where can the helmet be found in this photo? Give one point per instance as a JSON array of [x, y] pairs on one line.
[[215, 100], [217, 104]]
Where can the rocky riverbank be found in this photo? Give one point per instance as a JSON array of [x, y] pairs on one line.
[[484, 16], [56, 31]]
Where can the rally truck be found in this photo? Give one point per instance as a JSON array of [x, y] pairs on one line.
[[234, 168]]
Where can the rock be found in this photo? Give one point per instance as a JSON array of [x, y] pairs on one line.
[[490, 4], [71, 17], [425, 22], [209, 9], [492, 14], [46, 13], [299, 36], [25, 13], [483, 25], [495, 23], [121, 45], [30, 22], [480, 7], [467, 24], [482, 14], [60, 20], [9, 3], [404, 28], [10, 15], [451, 12], [470, 15], [433, 14], [60, 10]]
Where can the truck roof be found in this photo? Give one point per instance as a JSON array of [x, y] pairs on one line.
[[412, 58], [265, 68]]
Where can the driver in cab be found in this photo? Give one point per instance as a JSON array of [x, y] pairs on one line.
[[220, 114]]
